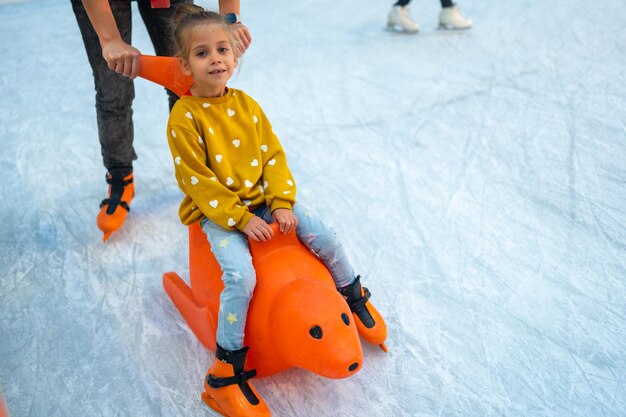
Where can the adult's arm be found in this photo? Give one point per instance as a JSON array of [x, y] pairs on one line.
[[124, 58], [240, 31], [120, 56]]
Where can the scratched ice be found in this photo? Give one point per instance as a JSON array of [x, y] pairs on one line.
[[477, 179]]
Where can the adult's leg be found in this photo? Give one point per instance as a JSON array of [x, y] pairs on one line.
[[399, 18], [159, 25], [447, 3], [450, 17], [114, 92]]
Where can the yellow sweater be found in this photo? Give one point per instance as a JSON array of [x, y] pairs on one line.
[[228, 160]]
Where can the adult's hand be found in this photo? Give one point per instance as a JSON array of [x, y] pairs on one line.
[[243, 38], [121, 58]]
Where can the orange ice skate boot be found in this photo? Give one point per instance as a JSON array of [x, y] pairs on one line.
[[369, 322], [226, 389], [113, 210]]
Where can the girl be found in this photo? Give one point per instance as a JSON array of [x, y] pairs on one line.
[[234, 174]]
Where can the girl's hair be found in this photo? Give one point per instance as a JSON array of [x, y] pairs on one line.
[[187, 19]]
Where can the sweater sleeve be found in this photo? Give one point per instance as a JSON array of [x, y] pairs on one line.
[[197, 180], [278, 183]]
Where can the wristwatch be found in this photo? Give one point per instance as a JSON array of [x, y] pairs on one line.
[[231, 18]]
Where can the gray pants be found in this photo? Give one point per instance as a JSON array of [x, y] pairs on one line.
[[114, 92]]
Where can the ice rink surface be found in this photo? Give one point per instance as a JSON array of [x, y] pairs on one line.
[[477, 180]]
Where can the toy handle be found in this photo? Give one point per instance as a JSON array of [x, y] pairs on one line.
[[165, 71]]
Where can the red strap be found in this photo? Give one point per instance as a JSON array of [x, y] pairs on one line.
[[160, 4]]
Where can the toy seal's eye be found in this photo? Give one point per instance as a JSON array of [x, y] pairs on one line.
[[345, 318], [316, 332]]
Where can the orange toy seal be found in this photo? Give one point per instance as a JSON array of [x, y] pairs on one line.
[[296, 317]]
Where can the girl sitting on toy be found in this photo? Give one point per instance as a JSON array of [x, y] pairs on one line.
[[234, 174]]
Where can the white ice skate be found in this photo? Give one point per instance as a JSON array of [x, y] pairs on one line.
[[399, 19], [451, 18]]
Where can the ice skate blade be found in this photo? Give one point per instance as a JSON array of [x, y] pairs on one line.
[[402, 31], [443, 26], [396, 29], [210, 401]]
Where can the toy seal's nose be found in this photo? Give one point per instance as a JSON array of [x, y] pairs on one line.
[[353, 366]]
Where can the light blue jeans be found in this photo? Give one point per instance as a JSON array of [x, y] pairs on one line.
[[231, 250]]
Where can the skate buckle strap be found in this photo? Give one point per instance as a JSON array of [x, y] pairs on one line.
[[115, 203], [118, 181], [230, 380], [359, 304], [116, 192]]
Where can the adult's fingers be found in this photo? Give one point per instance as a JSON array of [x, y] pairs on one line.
[[124, 63], [243, 39], [112, 63], [134, 72], [127, 66]]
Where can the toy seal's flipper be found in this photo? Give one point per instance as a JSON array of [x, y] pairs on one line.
[[165, 71], [197, 317]]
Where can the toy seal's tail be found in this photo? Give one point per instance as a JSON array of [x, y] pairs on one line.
[[165, 71], [198, 317]]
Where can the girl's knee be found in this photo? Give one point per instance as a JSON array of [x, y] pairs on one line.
[[321, 240]]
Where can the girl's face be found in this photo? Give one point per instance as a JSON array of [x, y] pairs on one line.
[[211, 61]]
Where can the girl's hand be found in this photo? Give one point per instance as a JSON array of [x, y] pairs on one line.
[[122, 58], [285, 219], [258, 230], [243, 37]]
